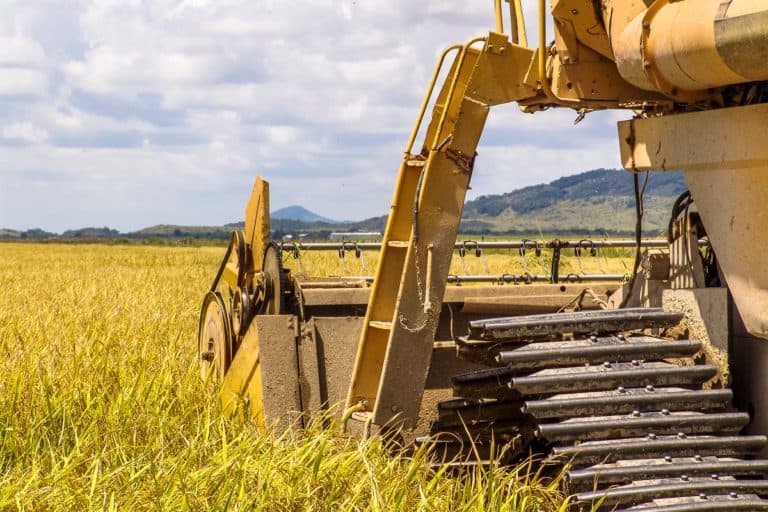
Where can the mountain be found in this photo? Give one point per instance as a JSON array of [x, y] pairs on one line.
[[598, 202], [296, 212]]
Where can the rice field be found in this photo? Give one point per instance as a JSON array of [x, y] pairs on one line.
[[102, 408]]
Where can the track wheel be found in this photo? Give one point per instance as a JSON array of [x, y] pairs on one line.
[[214, 339], [275, 281]]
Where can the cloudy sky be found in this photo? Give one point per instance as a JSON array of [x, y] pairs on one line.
[[130, 113]]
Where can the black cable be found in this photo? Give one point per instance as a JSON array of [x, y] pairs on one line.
[[639, 194], [682, 204]]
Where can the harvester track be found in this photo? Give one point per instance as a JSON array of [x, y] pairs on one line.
[[629, 412]]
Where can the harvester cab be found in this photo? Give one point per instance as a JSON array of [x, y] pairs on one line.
[[631, 387]]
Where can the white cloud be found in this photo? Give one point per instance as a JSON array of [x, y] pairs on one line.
[[20, 51], [135, 112], [25, 132], [22, 82]]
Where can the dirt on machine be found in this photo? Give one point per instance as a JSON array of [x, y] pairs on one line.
[[651, 393]]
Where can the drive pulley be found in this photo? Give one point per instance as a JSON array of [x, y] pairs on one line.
[[214, 344], [239, 291]]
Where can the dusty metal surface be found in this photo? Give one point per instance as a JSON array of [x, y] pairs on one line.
[[706, 318], [724, 161]]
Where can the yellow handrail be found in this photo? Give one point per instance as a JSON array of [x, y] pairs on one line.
[[517, 21], [499, 19], [425, 102], [546, 87], [452, 89]]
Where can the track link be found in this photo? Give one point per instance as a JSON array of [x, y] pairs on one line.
[[628, 412]]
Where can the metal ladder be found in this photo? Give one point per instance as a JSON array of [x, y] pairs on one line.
[[396, 340]]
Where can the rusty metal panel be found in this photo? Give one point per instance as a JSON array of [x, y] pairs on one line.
[[336, 345], [312, 390], [279, 372], [263, 377], [336, 341]]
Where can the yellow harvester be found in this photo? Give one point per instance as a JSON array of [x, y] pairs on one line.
[[637, 395]]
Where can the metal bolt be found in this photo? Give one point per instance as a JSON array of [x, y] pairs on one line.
[[393, 408], [733, 495], [651, 436], [593, 338], [574, 12], [702, 496], [684, 478], [667, 458], [646, 64], [635, 362], [665, 412], [207, 355], [620, 336], [681, 435], [621, 389], [698, 458], [715, 476], [606, 364], [635, 413], [649, 388]]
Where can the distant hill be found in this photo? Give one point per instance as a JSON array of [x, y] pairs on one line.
[[296, 212], [594, 202]]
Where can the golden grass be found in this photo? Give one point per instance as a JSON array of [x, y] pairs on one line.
[[102, 408]]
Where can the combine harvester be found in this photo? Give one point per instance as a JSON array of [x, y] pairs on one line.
[[637, 395]]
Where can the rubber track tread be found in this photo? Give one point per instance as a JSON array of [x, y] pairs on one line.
[[622, 410]]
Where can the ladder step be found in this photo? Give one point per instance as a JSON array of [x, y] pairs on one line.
[[416, 163], [376, 324], [400, 244]]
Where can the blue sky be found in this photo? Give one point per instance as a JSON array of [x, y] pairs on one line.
[[130, 113]]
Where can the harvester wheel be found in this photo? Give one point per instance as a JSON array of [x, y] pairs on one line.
[[239, 256], [214, 340], [241, 311], [275, 282]]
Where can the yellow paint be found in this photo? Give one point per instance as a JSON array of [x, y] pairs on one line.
[[241, 390]]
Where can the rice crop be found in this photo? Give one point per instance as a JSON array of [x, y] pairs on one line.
[[102, 407]]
